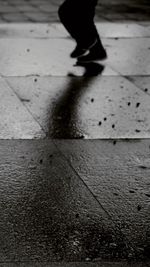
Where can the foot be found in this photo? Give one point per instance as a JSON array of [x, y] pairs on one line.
[[97, 52], [77, 52], [101, 55], [80, 51]]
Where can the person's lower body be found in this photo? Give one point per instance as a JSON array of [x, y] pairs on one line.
[[77, 16]]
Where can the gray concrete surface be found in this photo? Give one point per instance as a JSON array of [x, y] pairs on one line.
[[74, 201]]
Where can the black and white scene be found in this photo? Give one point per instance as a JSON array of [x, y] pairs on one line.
[[74, 133]]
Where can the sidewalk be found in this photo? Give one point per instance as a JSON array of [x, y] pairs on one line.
[[63, 199]]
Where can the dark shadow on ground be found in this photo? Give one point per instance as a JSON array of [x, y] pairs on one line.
[[64, 122]]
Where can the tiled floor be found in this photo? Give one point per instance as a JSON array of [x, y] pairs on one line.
[[53, 92], [74, 200]]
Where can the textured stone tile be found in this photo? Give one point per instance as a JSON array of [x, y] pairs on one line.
[[129, 56], [142, 82], [89, 107], [47, 213], [15, 120], [74, 264], [125, 30], [14, 17], [118, 175], [39, 57], [32, 30]]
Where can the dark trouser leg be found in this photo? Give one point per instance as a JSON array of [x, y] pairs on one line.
[[78, 18]]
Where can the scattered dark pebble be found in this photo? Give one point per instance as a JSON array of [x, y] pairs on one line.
[[114, 142], [137, 131], [35, 79], [146, 90], [105, 119], [100, 123], [113, 126], [80, 137], [139, 207], [92, 99], [41, 161], [131, 191], [142, 167], [129, 103], [51, 155], [25, 100], [137, 105], [115, 194]]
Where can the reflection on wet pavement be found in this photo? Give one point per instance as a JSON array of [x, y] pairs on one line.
[[64, 118], [47, 212]]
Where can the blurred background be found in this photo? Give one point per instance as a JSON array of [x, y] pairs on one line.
[[46, 10]]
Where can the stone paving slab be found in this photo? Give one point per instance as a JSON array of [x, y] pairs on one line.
[[142, 82], [47, 212], [39, 57], [15, 120], [85, 223], [93, 107], [118, 176], [32, 30], [76, 264], [56, 30], [129, 56]]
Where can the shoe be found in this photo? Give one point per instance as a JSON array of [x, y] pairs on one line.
[[78, 51], [101, 55], [96, 52]]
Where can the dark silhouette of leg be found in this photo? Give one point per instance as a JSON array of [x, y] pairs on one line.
[[77, 17]]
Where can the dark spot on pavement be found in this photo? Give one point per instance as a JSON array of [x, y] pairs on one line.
[[25, 100], [113, 126], [139, 207], [92, 99], [137, 131], [105, 119], [131, 191], [41, 161], [100, 123], [35, 79], [114, 142], [142, 167], [28, 50], [129, 103], [137, 105]]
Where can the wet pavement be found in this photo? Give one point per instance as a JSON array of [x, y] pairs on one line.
[[65, 201], [102, 212]]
